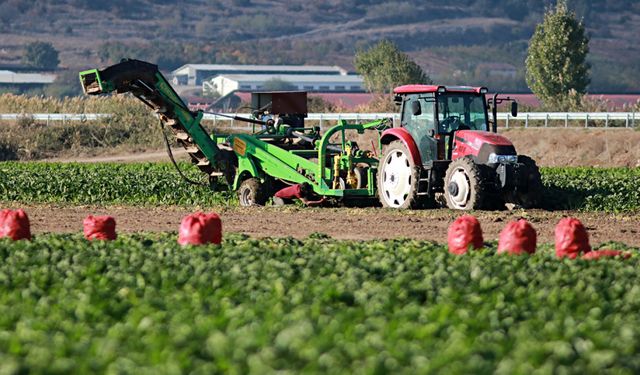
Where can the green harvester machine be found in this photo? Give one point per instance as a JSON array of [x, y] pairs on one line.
[[281, 155]]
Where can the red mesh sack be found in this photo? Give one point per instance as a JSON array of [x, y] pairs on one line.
[[99, 228], [605, 254], [290, 192], [200, 229], [518, 237], [464, 232], [572, 238], [15, 225]]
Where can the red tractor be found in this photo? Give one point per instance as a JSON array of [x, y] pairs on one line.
[[444, 149]]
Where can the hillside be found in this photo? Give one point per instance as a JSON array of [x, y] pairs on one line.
[[454, 42]]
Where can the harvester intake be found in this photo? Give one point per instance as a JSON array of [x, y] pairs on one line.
[[144, 81]]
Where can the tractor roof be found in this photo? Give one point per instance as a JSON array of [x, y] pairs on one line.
[[421, 89]]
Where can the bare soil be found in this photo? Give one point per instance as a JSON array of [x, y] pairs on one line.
[[339, 223]]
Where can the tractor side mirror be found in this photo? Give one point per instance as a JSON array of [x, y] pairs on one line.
[[415, 108], [514, 109]]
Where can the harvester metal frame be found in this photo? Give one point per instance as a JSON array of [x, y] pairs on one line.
[[238, 157]]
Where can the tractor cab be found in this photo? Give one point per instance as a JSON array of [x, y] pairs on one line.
[[447, 144], [433, 114]]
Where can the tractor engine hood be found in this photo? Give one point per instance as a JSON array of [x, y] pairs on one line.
[[480, 145]]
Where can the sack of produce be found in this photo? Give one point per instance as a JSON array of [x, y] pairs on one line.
[[572, 238], [99, 228], [518, 237], [605, 254], [15, 225], [464, 233], [200, 228]]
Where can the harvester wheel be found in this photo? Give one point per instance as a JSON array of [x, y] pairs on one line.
[[398, 177], [464, 186], [251, 193], [531, 196]]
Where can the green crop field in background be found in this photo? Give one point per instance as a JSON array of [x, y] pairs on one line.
[[143, 305], [588, 189]]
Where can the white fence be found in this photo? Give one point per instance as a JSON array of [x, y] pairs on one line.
[[526, 119]]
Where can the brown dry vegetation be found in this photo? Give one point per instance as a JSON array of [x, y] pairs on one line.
[[133, 130], [578, 147]]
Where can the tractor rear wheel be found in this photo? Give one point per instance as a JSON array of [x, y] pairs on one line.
[[398, 177], [464, 186], [251, 193], [531, 196]]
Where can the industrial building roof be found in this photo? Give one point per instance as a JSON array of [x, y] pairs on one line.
[[263, 68], [311, 78], [7, 76]]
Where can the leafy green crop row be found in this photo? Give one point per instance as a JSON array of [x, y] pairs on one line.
[[104, 183], [143, 305], [600, 189], [592, 189]]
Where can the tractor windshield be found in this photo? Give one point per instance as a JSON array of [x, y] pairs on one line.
[[461, 111]]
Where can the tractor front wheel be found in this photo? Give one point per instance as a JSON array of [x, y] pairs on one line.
[[464, 186], [398, 177], [531, 195], [251, 193]]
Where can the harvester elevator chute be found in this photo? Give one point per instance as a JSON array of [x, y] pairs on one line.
[[145, 82]]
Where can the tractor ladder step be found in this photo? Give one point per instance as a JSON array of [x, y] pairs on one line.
[[422, 181]]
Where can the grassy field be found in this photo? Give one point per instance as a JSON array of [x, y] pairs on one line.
[[587, 189], [143, 305]]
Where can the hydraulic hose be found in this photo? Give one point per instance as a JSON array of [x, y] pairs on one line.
[[173, 160], [313, 141], [239, 118]]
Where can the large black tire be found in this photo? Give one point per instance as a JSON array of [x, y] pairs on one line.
[[251, 193], [531, 195], [465, 187], [398, 177]]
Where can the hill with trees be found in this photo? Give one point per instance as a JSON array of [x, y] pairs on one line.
[[464, 42]]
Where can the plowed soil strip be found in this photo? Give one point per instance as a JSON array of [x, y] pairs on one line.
[[340, 223]]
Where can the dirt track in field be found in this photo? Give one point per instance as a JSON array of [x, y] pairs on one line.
[[340, 223]]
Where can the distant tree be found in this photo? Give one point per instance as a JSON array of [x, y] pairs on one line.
[[277, 84], [41, 55], [557, 71], [66, 84], [316, 104], [384, 67]]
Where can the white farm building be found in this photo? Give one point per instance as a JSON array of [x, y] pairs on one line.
[[196, 74], [225, 84]]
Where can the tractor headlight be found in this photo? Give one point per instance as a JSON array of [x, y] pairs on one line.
[[502, 159]]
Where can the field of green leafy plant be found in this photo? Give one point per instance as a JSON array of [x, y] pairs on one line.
[[143, 305], [105, 183], [589, 189]]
